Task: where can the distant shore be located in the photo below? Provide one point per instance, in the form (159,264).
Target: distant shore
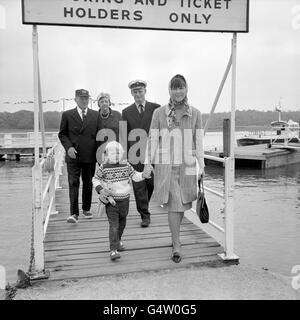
(257,120)
(249,128)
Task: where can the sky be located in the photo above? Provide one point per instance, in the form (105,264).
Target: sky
(102,59)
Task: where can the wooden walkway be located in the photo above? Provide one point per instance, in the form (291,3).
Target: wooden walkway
(81,250)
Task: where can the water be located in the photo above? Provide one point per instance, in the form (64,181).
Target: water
(267,215)
(267,219)
(15,216)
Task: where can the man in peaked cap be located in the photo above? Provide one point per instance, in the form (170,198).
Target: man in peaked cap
(139,116)
(77,133)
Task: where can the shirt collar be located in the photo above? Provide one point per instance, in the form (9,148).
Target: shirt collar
(80,111)
(143,104)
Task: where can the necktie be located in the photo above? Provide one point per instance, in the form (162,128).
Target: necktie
(83,115)
(141,109)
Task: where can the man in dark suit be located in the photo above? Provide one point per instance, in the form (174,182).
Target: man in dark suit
(139,116)
(78,131)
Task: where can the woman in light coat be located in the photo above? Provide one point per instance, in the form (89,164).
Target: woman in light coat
(175,147)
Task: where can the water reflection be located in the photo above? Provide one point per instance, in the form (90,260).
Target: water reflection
(267,214)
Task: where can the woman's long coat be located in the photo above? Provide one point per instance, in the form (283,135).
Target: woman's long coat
(188,143)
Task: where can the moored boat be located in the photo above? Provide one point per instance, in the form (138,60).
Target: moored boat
(280,132)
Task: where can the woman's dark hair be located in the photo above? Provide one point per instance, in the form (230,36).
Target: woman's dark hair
(178,81)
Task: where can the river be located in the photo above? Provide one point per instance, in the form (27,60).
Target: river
(267,214)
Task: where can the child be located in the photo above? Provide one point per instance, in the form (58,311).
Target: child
(116,174)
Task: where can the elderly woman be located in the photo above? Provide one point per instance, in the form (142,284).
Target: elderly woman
(175,146)
(110,118)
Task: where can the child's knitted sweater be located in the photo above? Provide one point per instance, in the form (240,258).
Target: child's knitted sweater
(118,177)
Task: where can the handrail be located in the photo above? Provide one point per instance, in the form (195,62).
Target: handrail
(222,234)
(44,200)
(52,163)
(214,158)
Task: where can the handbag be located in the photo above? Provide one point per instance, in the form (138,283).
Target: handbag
(201,207)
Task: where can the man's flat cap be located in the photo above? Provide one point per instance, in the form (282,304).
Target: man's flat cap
(81,93)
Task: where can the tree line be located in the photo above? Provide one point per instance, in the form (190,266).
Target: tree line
(24,120)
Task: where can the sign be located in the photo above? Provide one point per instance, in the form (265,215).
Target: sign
(183,15)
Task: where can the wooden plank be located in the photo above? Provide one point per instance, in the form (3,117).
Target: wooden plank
(135,256)
(130,255)
(130,245)
(123,263)
(101,226)
(78,246)
(96,235)
(128,231)
(115,270)
(141,252)
(127,236)
(56,221)
(58,245)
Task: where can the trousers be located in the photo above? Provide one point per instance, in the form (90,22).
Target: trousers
(117,215)
(86,171)
(143,191)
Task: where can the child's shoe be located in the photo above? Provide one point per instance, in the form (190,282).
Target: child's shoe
(114,254)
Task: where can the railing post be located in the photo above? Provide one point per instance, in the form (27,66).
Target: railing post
(229,212)
(59,154)
(37,268)
(226,137)
(230,166)
(38,234)
(52,189)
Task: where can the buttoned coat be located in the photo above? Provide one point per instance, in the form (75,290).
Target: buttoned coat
(137,121)
(81,135)
(189,142)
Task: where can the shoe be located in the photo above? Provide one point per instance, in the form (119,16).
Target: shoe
(73,219)
(145,223)
(121,246)
(114,254)
(176,257)
(87,214)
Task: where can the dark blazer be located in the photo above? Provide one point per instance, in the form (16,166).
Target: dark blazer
(81,135)
(136,121)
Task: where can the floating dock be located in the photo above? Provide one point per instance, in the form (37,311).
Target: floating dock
(261,156)
(15,145)
(81,250)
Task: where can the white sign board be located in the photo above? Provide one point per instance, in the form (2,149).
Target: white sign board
(184,15)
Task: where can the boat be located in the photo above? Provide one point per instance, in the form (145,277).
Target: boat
(281,132)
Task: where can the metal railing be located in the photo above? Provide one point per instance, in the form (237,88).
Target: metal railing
(48,169)
(288,134)
(224,234)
